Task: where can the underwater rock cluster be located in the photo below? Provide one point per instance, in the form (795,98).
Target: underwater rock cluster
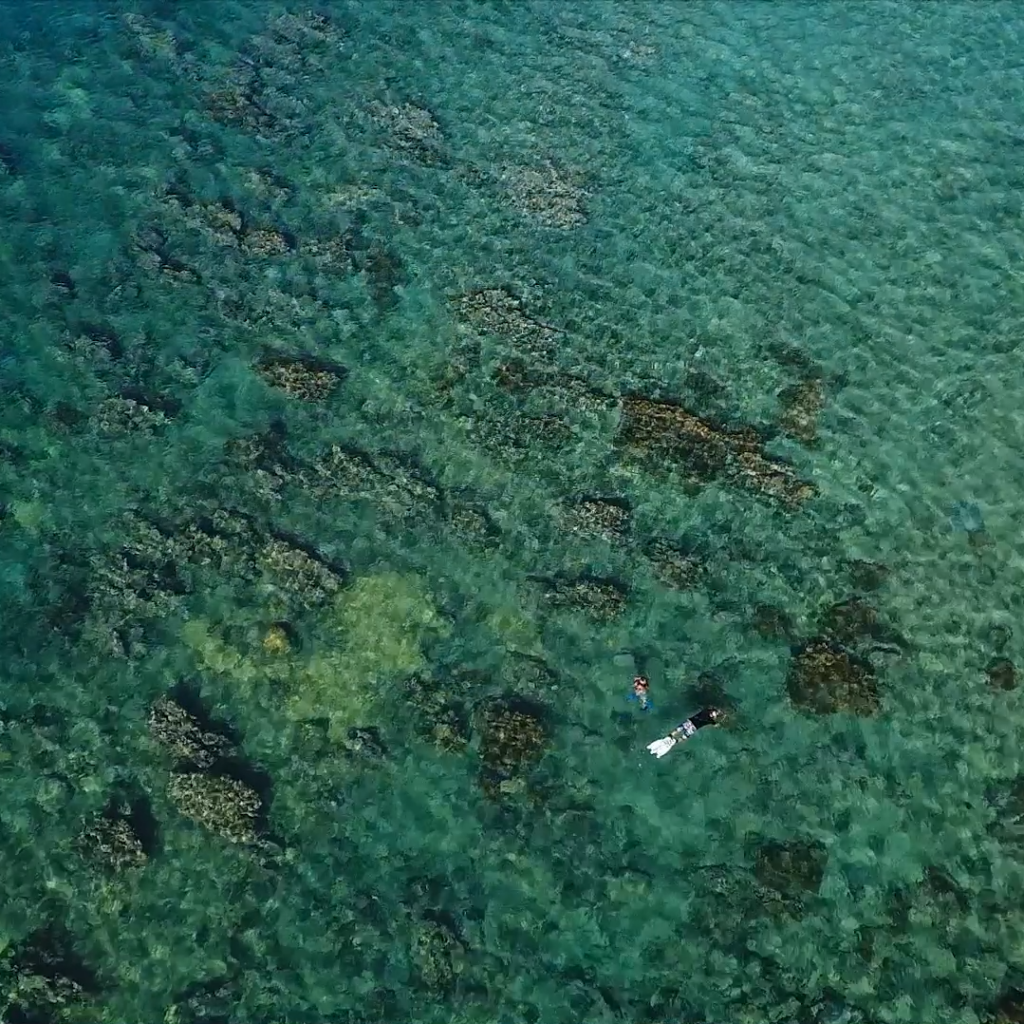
(499,312)
(600,597)
(664,433)
(793,868)
(675,565)
(113,842)
(1002,674)
(223,805)
(832,672)
(302,377)
(42,979)
(551,195)
(513,738)
(441,713)
(607,518)
(825,677)
(204,785)
(182,736)
(410,128)
(802,405)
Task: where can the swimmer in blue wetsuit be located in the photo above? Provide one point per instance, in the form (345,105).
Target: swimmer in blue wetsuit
(642,693)
(683,731)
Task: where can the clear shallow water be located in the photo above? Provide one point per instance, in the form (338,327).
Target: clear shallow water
(384,388)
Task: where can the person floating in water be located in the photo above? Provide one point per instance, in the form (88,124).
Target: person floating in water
(683,731)
(642,693)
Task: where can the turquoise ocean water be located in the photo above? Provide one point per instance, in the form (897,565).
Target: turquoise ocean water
(385,384)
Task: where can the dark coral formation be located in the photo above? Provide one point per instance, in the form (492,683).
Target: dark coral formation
(1008,1008)
(98,344)
(383,269)
(664,433)
(224,223)
(866,575)
(210,1001)
(113,841)
(513,738)
(185,737)
(1008,803)
(801,407)
(436,951)
(43,979)
(242,103)
(528,674)
(941,887)
(257,95)
(207,784)
(120,414)
(825,678)
(855,623)
(772,623)
(394,482)
(793,869)
(137,582)
(302,377)
(411,129)
(999,635)
(162,559)
(551,195)
(365,743)
(471,521)
(1002,674)
(498,312)
(279,639)
(295,570)
(675,565)
(557,388)
(598,596)
(607,518)
(441,715)
(516,437)
(224,805)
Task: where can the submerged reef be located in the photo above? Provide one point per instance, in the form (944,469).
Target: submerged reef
(600,597)
(665,434)
(305,378)
(832,671)
(824,677)
(42,978)
(551,195)
(368,425)
(593,517)
(676,565)
(802,405)
(224,805)
(1002,674)
(184,737)
(115,839)
(513,738)
(208,781)
(793,868)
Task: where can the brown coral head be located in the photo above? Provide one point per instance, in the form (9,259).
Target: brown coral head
(825,678)
(514,736)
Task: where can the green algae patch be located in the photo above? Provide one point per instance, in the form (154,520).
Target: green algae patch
(372,635)
(379,627)
(514,630)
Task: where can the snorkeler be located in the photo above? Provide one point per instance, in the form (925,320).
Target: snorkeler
(683,731)
(641,693)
